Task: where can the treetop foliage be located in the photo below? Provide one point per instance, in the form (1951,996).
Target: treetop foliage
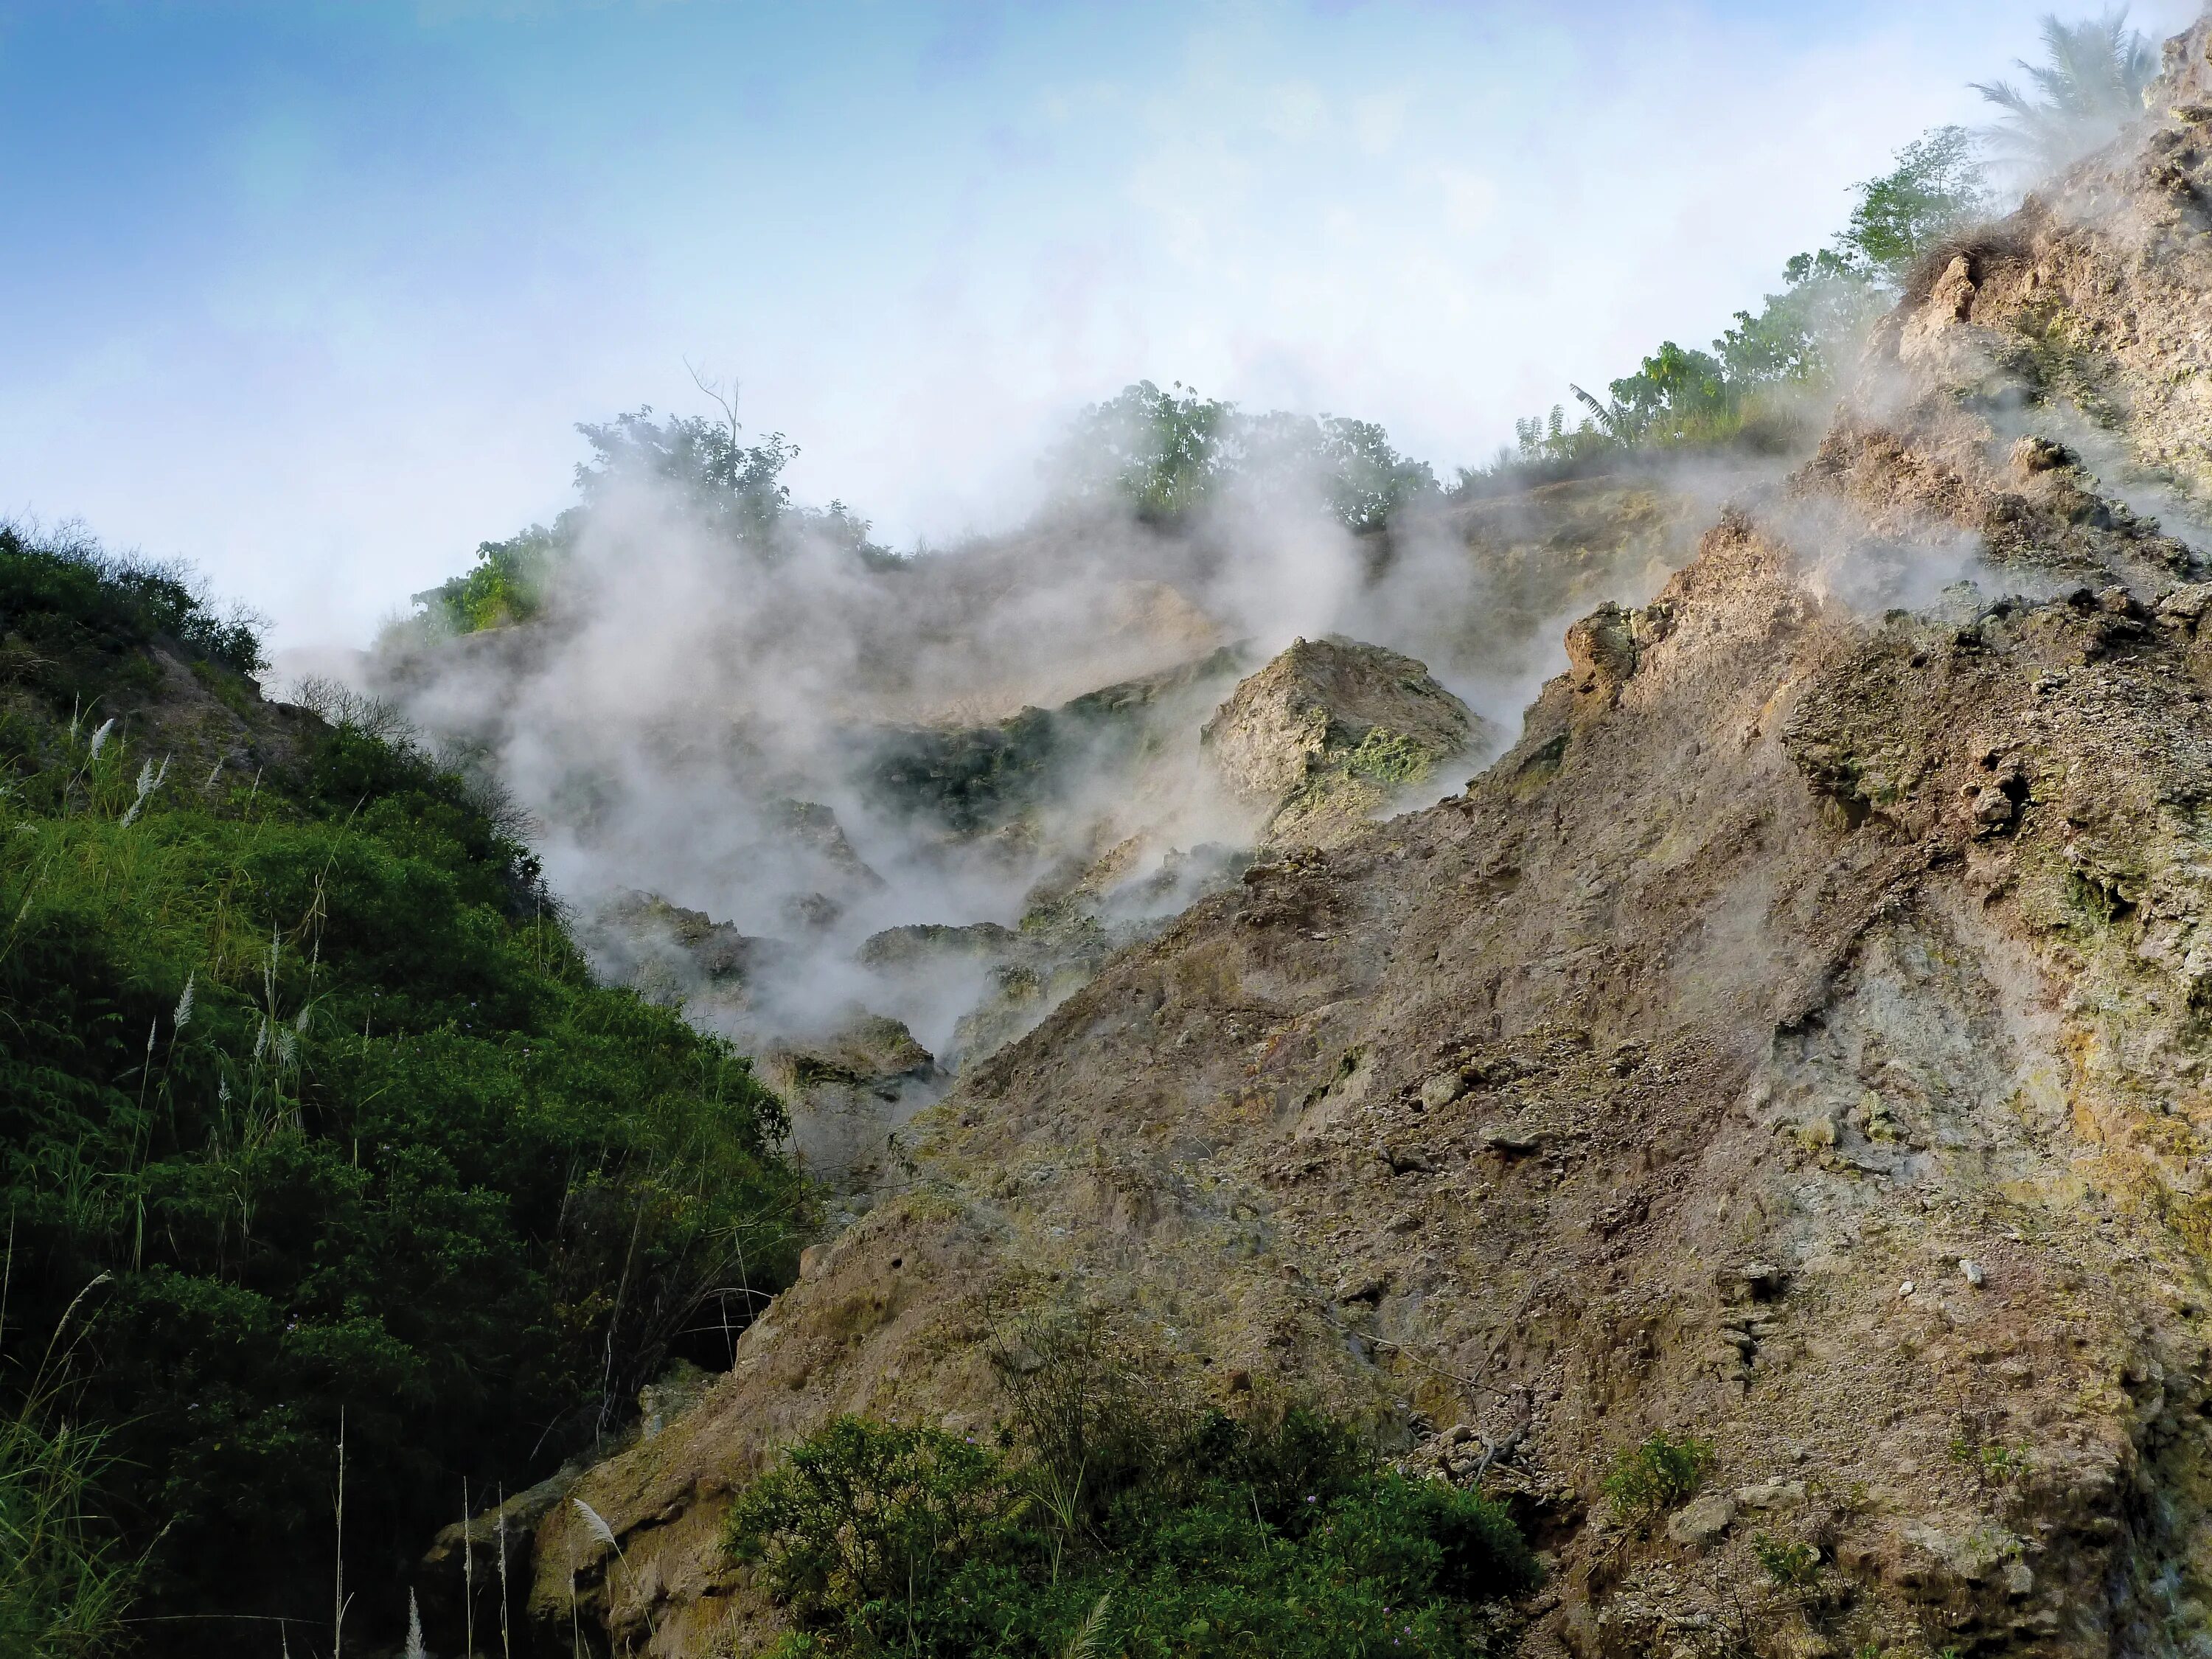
(1937,186)
(1168,455)
(1795,343)
(2095,78)
(733,490)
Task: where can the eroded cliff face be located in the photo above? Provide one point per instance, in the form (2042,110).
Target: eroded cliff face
(1798,1039)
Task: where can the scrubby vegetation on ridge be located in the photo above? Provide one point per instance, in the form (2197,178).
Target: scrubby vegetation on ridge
(1756,385)
(304,1078)
(1164,456)
(1764,375)
(730,488)
(1116,1513)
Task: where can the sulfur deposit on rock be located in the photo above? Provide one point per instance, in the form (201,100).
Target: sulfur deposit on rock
(1324,738)
(1841,921)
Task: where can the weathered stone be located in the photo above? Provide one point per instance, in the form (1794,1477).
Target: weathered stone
(1329,734)
(1441,1090)
(1602,650)
(1362,1287)
(1699,1524)
(1515,1139)
(1777,1493)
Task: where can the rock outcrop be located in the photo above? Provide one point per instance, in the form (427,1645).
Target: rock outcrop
(1330,734)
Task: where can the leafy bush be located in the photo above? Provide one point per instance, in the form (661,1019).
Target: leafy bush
(733,490)
(1166,455)
(864,1519)
(1115,1508)
(74,618)
(1650,1479)
(1794,1566)
(308,1066)
(508,584)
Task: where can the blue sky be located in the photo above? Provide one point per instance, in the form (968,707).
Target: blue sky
(311,293)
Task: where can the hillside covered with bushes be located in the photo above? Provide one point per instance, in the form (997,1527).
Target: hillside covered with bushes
(315,1133)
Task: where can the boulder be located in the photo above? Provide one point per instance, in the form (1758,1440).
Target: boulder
(1699,1524)
(1331,733)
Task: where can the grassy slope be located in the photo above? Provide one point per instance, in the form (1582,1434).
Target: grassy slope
(398,1157)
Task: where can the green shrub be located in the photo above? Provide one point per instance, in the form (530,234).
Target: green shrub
(1790,1566)
(1119,1519)
(1650,1479)
(863,1520)
(74,618)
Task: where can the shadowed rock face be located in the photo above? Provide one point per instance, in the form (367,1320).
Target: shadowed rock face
(1797,1040)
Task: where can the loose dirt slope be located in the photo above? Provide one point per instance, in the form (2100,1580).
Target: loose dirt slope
(1799,1039)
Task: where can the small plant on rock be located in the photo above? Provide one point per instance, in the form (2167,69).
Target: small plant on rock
(1792,1566)
(1649,1479)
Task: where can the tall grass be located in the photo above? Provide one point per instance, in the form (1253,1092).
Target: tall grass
(66,1586)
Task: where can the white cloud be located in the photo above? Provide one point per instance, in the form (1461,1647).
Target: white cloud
(1470,199)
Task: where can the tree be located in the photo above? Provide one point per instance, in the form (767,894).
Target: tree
(2097,74)
(1161,452)
(1936,186)
(1165,455)
(738,487)
(1795,336)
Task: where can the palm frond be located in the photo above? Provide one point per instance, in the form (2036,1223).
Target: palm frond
(2094,80)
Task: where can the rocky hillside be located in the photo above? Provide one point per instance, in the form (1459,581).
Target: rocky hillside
(1797,1042)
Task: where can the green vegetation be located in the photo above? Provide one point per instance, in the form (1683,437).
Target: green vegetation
(64,1585)
(507,584)
(734,490)
(1936,187)
(1750,388)
(2096,77)
(1113,1515)
(303,1073)
(73,619)
(1791,1565)
(1996,1462)
(1167,454)
(1649,1479)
